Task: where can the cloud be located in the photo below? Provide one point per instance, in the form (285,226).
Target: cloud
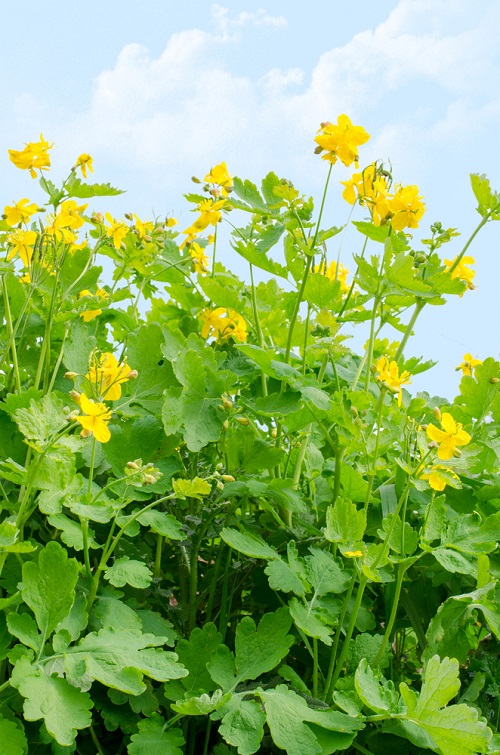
(225,23)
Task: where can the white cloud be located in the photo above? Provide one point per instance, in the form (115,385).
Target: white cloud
(225,22)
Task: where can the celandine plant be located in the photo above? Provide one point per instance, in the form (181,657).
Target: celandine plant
(223,531)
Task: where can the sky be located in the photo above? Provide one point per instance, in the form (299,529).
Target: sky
(160,91)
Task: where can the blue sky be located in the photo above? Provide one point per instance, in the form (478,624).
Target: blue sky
(159,91)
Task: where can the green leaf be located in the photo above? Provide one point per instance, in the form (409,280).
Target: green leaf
(76,188)
(78,346)
(49,586)
(63,708)
(126,571)
(260,649)
(457,729)
(345,524)
(311,620)
(320,291)
(487,199)
(454,562)
(248,543)
(118,658)
(469,535)
(477,393)
(71,531)
(282,577)
(137,439)
(242,725)
(248,192)
(324,573)
(43,419)
(373,232)
(12,738)
(22,626)
(195,653)
(287,714)
(196,488)
(374,690)
(162,523)
(154,739)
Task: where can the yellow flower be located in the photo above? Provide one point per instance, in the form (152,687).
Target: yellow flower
(35,155)
(84,162)
(462,271)
(89,314)
(223,324)
(388,373)
(449,437)
(69,215)
(468,364)
(219,176)
(406,207)
(20,212)
(199,258)
(142,227)
(334,272)
(439,477)
(105,375)
(117,230)
(212,320)
(353,554)
(22,243)
(340,141)
(95,420)
(370,188)
(170,222)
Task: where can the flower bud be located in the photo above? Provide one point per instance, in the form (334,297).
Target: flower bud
(195,180)
(494,380)
(225,424)
(129,216)
(228,478)
(133,465)
(220,485)
(243,421)
(423,427)
(437,413)
(149,479)
(457,453)
(433,444)
(132,375)
(227,403)
(75,396)
(274,433)
(70,375)
(221,407)
(73,415)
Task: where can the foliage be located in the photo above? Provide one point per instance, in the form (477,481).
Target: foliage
(222,530)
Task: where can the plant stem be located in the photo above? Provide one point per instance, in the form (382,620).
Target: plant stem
(392,617)
(260,335)
(315,667)
(10,332)
(333,656)
(419,305)
(350,629)
(159,550)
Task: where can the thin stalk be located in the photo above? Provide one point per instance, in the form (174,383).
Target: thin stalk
(58,362)
(339,453)
(333,655)
(392,617)
(349,293)
(95,740)
(471,238)
(223,617)
(371,343)
(159,550)
(419,305)
(260,335)
(215,252)
(10,332)
(350,629)
(372,473)
(315,668)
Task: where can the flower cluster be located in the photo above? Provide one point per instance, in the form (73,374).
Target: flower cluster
(334,272)
(35,156)
(340,141)
(388,374)
(403,207)
(223,324)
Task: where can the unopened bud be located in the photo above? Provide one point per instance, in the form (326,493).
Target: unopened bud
(274,433)
(147,238)
(132,465)
(70,375)
(437,413)
(75,396)
(132,375)
(149,479)
(225,424)
(195,180)
(423,427)
(73,415)
(97,217)
(215,193)
(494,380)
(129,216)
(227,403)
(228,478)
(354,411)
(457,453)
(243,420)
(220,485)
(318,150)
(221,407)
(433,444)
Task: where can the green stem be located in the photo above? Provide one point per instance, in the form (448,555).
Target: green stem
(260,335)
(419,305)
(333,655)
(372,473)
(371,343)
(339,453)
(159,550)
(59,360)
(350,629)
(10,332)
(471,238)
(315,668)
(215,252)
(392,617)
(96,741)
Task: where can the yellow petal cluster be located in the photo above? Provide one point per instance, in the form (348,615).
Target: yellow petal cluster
(20,212)
(106,375)
(85,162)
(22,243)
(89,314)
(219,176)
(388,373)
(200,260)
(95,419)
(35,156)
(468,364)
(117,230)
(451,436)
(210,214)
(439,477)
(223,324)
(334,272)
(461,271)
(340,141)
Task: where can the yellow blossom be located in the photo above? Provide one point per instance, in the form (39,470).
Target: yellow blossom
(89,314)
(85,162)
(199,258)
(340,141)
(371,189)
(334,272)
(451,436)
(463,272)
(439,476)
(353,554)
(117,230)
(212,320)
(20,212)
(95,419)
(35,155)
(388,373)
(143,228)
(406,207)
(170,222)
(106,374)
(468,364)
(223,324)
(69,215)
(22,243)
(218,175)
